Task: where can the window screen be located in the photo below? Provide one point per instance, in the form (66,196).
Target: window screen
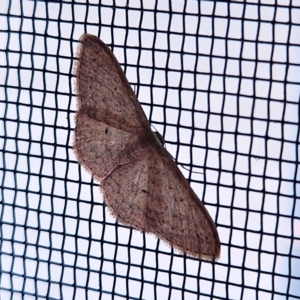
(219,81)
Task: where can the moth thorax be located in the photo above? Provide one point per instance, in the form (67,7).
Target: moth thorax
(141,148)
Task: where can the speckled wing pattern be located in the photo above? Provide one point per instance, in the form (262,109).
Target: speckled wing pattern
(139,180)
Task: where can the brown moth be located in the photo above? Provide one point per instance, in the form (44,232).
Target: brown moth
(141,184)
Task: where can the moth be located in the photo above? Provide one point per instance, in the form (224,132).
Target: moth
(140,182)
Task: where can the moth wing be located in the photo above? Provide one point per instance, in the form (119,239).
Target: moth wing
(109,115)
(156,198)
(103,90)
(99,147)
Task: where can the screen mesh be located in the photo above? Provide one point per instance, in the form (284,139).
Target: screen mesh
(219,81)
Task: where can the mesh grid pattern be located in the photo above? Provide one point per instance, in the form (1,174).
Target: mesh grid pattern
(219,81)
